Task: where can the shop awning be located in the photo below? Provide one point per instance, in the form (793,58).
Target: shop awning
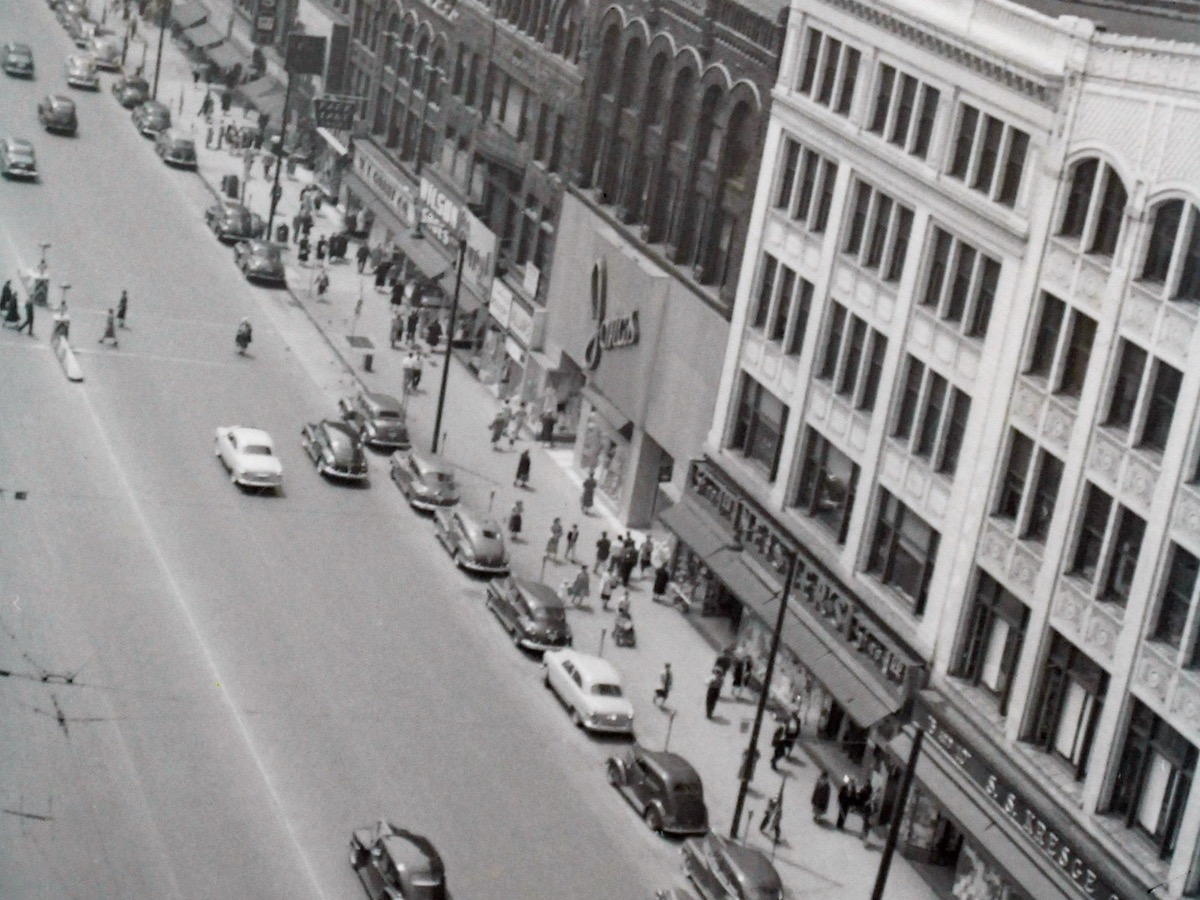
(267,96)
(989,835)
(608,410)
(187,13)
(223,56)
(203,35)
(694,528)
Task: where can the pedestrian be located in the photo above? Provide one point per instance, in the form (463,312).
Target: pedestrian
(523,463)
(626,563)
(517,423)
(580,587)
(433,337)
(623,603)
(845,799)
(778,746)
(820,796)
(122,308)
(407,368)
(663,691)
(869,809)
(772,818)
(712,693)
(8,297)
(862,803)
(28,323)
(396,332)
(302,253)
(322,281)
(226,101)
(268,161)
(397,297)
(13,314)
(556,531)
(588,496)
(322,248)
(206,106)
(362,255)
(791,732)
(739,674)
(608,584)
(662,578)
(572,540)
(547,420)
(515,517)
(499,423)
(418,368)
(724,660)
(646,556)
(381,273)
(110,329)
(603,547)
(414,319)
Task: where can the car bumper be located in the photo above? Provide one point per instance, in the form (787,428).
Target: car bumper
(23,174)
(431,504)
(151,131)
(268,277)
(181,162)
(592,723)
(61,127)
(387,443)
(483,568)
(87,84)
(344,474)
(252,480)
(18,73)
(541,645)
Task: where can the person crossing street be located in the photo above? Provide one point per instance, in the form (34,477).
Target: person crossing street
(122,308)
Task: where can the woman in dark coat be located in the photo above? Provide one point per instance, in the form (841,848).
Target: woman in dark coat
(514,521)
(662,578)
(522,477)
(588,497)
(820,796)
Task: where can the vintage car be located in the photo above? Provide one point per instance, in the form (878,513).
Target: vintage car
(664,789)
(590,688)
(392,862)
(475,543)
(151,118)
(260,261)
(176,149)
(131,90)
(335,449)
(81,72)
(378,418)
(231,222)
(106,51)
(17,60)
(723,869)
(530,612)
(248,454)
(426,482)
(17,159)
(57,114)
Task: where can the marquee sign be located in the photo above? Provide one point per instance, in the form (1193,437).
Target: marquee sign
(610,334)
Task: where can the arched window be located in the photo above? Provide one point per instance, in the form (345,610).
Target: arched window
(405,59)
(566,34)
(1172,258)
(1095,207)
(419,61)
(437,74)
(391,37)
(631,71)
(541,22)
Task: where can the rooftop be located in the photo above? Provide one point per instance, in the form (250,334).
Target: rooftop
(1168,20)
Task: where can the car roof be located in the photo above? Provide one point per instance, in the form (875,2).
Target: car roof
(538,594)
(338,429)
(154,106)
(60,100)
(16,143)
(430,464)
(14,47)
(414,851)
(248,435)
(382,401)
(592,667)
(757,868)
(673,768)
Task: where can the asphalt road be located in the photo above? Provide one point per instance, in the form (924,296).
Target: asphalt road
(202,691)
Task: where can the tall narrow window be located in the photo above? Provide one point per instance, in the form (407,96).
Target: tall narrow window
(1127,544)
(1160,406)
(1045,492)
(1178,589)
(990,645)
(1126,385)
(1092,526)
(1070,697)
(827,484)
(904,551)
(1012,486)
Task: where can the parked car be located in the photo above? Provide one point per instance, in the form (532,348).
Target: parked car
(664,789)
(426,482)
(18,60)
(530,612)
(335,449)
(260,261)
(151,118)
(248,454)
(176,149)
(721,869)
(131,90)
(17,159)
(378,418)
(82,30)
(81,72)
(57,114)
(230,222)
(392,862)
(475,543)
(106,51)
(590,689)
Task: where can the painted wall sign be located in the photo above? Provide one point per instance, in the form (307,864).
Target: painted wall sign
(610,334)
(444,219)
(388,186)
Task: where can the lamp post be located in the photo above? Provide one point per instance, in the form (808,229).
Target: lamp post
(893,835)
(751,757)
(275,189)
(458,273)
(162,30)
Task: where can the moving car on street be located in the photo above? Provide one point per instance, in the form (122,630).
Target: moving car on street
(230,222)
(379,419)
(248,454)
(475,543)
(530,612)
(131,90)
(590,688)
(17,60)
(721,869)
(335,449)
(176,149)
(81,72)
(151,118)
(663,788)
(393,862)
(426,482)
(57,114)
(106,51)
(17,159)
(260,261)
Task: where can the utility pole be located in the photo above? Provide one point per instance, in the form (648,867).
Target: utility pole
(162,31)
(441,404)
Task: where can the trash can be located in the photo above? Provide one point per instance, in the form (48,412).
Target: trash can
(368,362)
(229,186)
(281,233)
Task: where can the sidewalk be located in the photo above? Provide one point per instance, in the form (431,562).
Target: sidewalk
(814,859)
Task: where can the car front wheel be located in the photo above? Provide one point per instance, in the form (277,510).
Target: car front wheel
(614,774)
(652,819)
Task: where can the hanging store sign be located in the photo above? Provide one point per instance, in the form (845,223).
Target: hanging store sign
(375,172)
(610,334)
(446,221)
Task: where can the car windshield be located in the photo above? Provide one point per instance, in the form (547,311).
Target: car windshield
(257,450)
(607,690)
(490,533)
(388,414)
(550,615)
(269,253)
(442,479)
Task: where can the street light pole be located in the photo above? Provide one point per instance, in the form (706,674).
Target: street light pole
(275,189)
(751,757)
(162,30)
(441,404)
(893,835)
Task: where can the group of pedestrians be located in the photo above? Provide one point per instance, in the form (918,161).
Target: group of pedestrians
(10,310)
(10,315)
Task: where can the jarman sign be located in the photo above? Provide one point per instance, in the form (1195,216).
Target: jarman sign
(610,334)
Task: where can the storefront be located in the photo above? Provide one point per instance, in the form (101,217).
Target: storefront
(514,329)
(641,353)
(990,828)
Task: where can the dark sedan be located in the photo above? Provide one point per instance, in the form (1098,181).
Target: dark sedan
(260,261)
(131,90)
(723,869)
(18,60)
(335,449)
(663,788)
(530,612)
(176,149)
(475,543)
(378,418)
(395,862)
(57,114)
(426,482)
(231,222)
(81,72)
(17,159)
(152,118)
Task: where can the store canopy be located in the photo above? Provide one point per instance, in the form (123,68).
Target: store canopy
(267,96)
(224,57)
(203,35)
(187,13)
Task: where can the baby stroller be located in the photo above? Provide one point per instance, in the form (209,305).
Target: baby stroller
(623,633)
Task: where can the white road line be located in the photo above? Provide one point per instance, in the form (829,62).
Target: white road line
(178,360)
(194,627)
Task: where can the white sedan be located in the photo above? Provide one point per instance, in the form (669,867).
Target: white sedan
(590,688)
(249,456)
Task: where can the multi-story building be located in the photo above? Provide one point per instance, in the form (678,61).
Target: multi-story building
(957,394)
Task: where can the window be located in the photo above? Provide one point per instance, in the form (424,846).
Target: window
(1160,383)
(1127,544)
(991,640)
(1179,587)
(1173,253)
(828,71)
(556,145)
(939,413)
(1045,492)
(806,186)
(904,112)
(1062,347)
(1012,485)
(783,305)
(989,156)
(759,425)
(827,484)
(1069,700)
(1095,207)
(1160,406)
(878,232)
(1153,779)
(904,551)
(1101,518)
(1028,466)
(853,358)
(1092,526)
(961,283)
